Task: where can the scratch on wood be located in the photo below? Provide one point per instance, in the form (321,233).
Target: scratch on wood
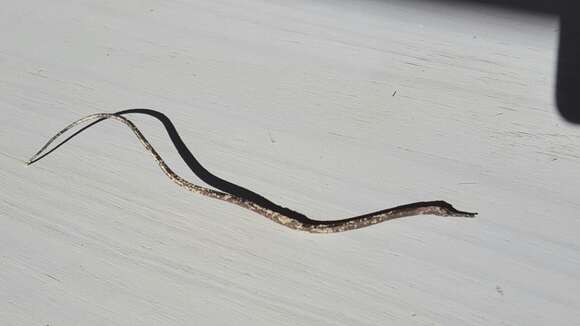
(52,277)
(272,140)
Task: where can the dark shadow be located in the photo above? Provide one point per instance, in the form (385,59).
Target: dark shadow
(204,174)
(193,165)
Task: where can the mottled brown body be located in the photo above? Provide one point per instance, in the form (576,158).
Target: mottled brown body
(439,208)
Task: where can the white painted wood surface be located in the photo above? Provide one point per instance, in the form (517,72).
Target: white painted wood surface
(292,99)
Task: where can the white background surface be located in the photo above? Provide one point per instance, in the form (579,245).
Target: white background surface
(292,99)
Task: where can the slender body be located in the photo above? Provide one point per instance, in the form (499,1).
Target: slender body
(245,198)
